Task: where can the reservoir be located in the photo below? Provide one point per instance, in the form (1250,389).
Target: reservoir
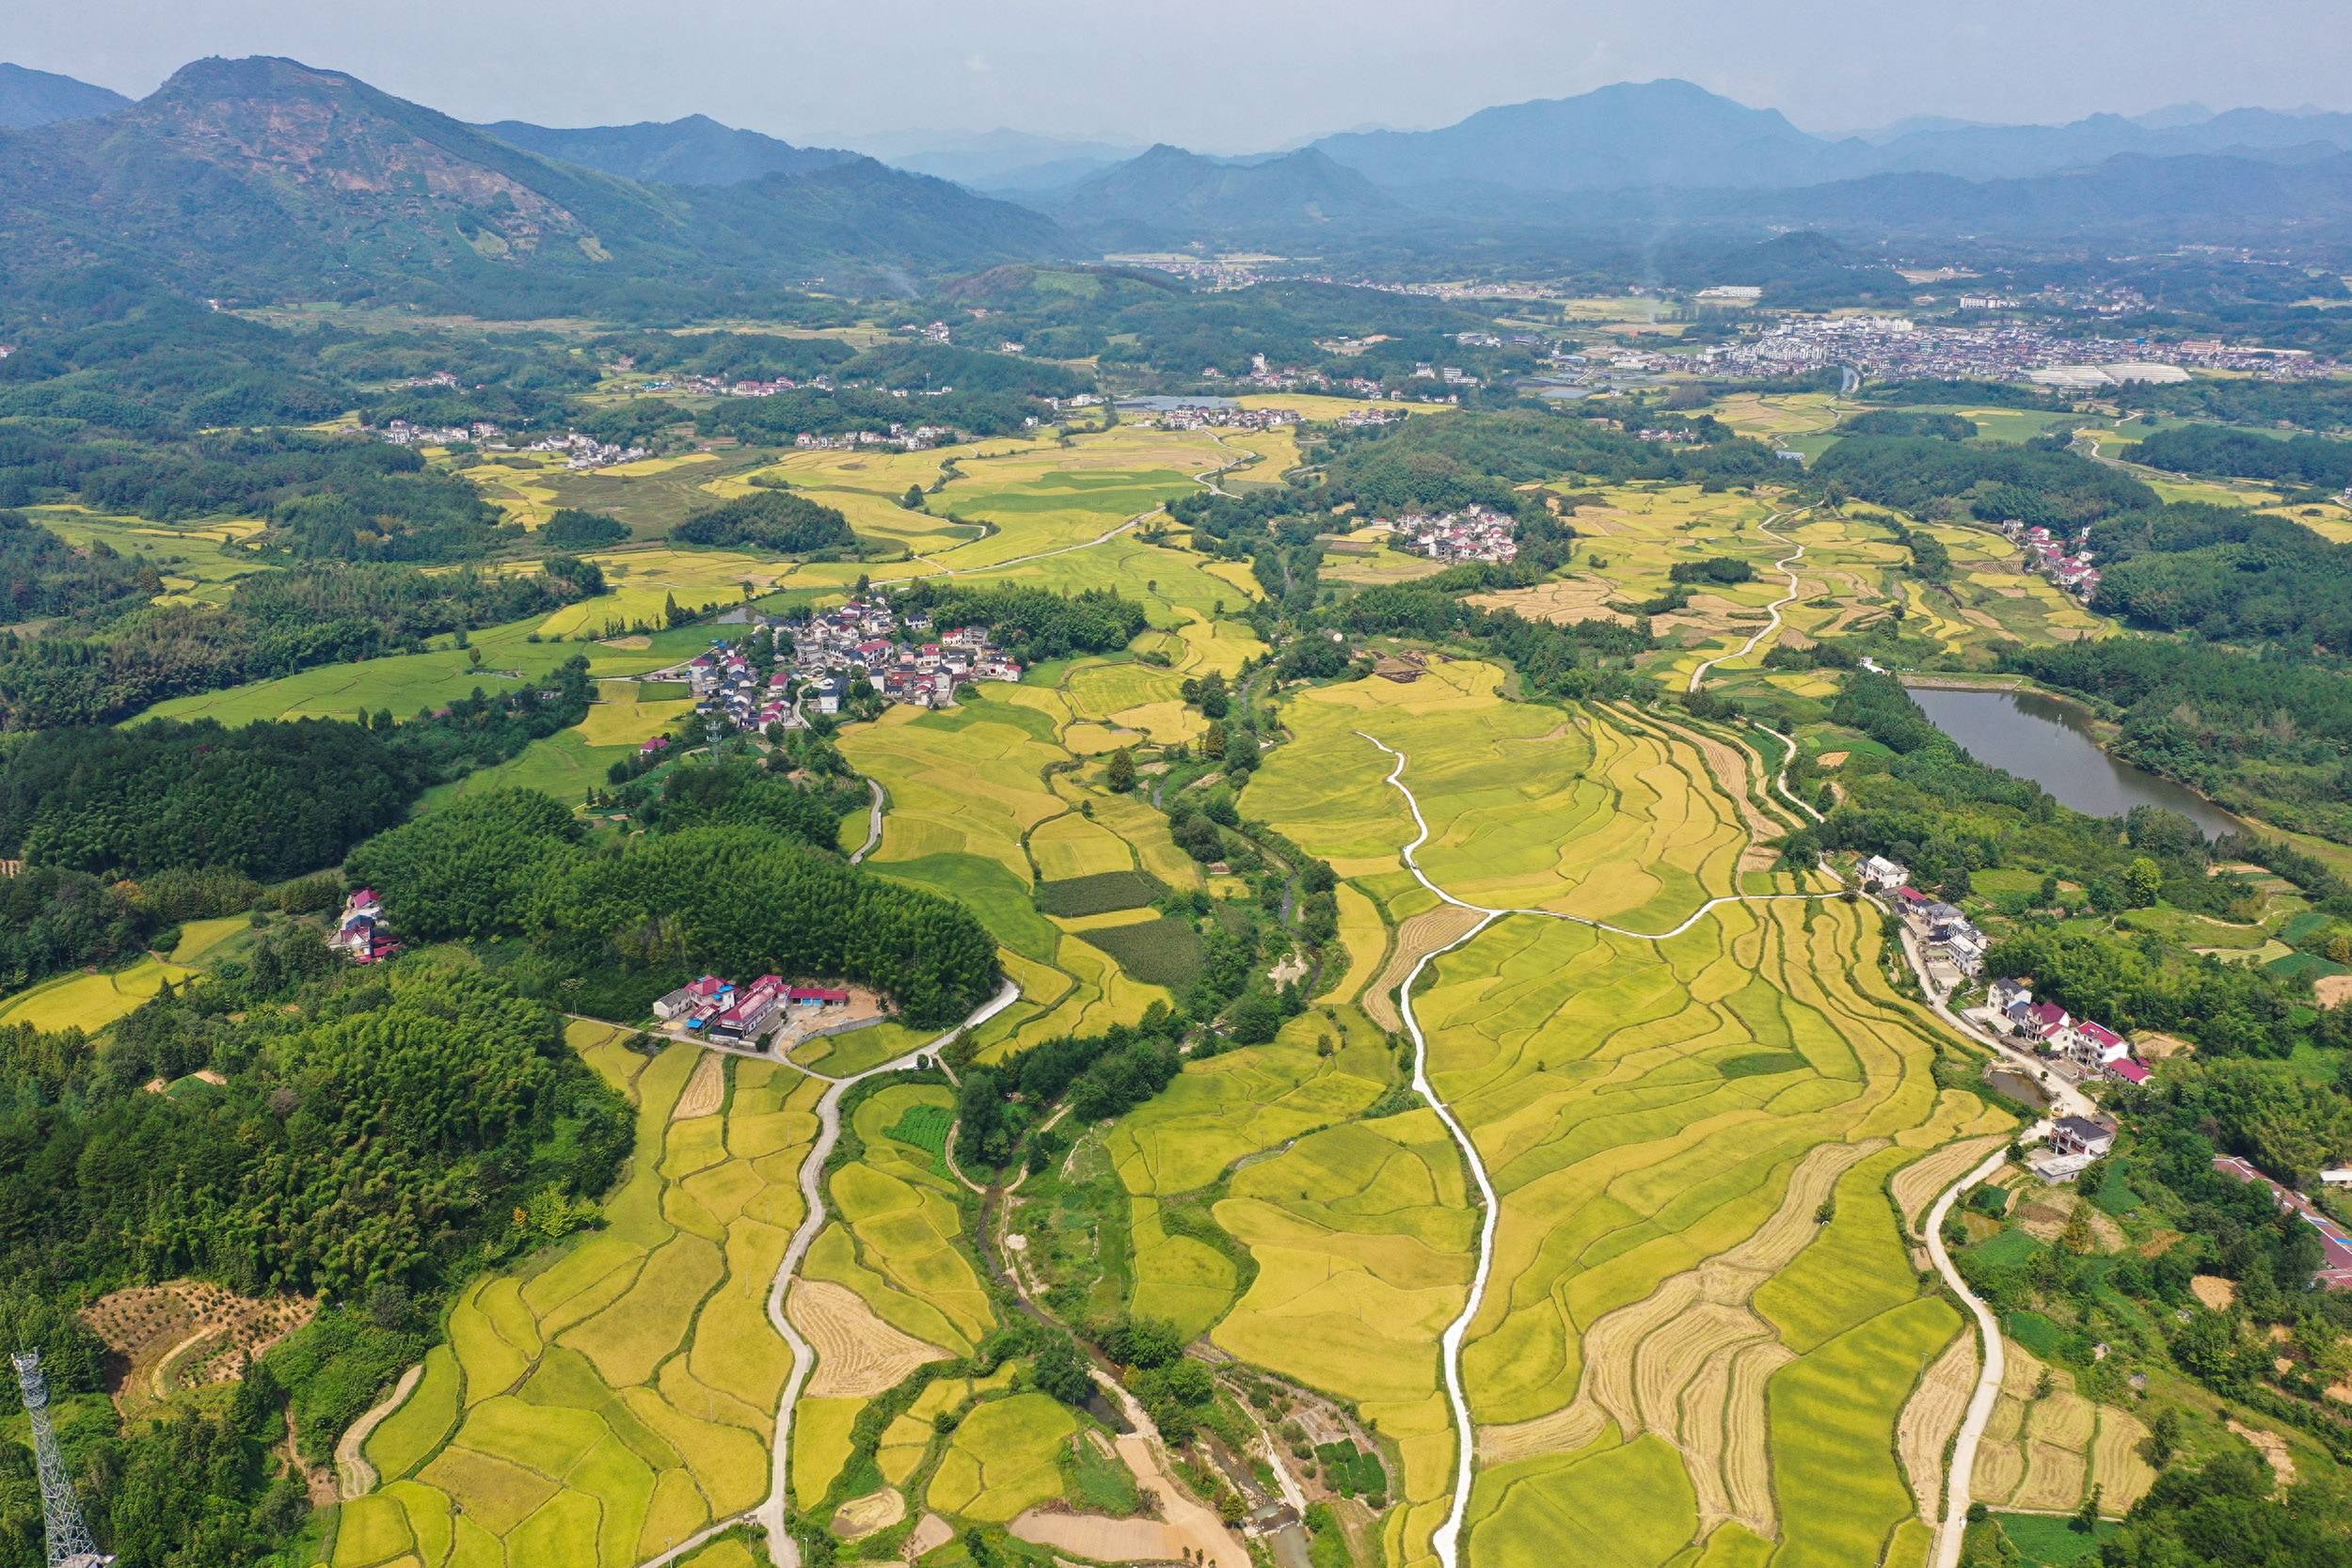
(2036,737)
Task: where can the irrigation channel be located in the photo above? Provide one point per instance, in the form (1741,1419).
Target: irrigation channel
(1446,1540)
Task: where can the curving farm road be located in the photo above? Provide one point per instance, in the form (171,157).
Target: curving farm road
(1786,564)
(1954,1529)
(769,1514)
(1446,1541)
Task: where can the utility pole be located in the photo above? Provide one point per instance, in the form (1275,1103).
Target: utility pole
(69,1540)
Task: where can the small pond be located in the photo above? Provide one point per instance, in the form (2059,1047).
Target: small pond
(2050,742)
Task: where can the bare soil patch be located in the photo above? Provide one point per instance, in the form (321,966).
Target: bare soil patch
(2273,1448)
(2332,989)
(930,1533)
(2215,1293)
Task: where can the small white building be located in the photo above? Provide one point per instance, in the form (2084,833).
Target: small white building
(1879,872)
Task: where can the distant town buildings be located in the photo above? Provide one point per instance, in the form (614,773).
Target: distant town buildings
(1895,346)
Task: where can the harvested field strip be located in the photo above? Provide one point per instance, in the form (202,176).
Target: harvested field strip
(1932,1420)
(2040,1454)
(1689,1363)
(859,1355)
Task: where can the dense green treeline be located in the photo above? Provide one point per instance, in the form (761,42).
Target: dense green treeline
(266,800)
(2204,448)
(2226,573)
(337,497)
(40,575)
(774,521)
(274,623)
(611,928)
(376,1138)
(1931,477)
(1031,624)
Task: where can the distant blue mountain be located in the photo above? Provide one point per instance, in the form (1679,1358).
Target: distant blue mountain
(31,98)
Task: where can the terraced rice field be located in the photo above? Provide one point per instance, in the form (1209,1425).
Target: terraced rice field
(2042,1455)
(1598,814)
(606,1402)
(1701,1293)
(200,562)
(983,808)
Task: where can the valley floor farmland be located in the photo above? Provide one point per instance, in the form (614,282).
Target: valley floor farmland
(1700,1297)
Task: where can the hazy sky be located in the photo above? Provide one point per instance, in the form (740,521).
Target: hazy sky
(1224,75)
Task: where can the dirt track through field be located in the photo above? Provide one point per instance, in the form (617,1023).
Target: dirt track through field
(353,1476)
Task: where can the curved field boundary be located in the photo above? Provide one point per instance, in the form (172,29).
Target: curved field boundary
(1446,1541)
(769,1514)
(1786,564)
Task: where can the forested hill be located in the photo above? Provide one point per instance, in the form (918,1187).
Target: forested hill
(268,179)
(696,151)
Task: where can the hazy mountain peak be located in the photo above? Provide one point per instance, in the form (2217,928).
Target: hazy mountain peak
(694,150)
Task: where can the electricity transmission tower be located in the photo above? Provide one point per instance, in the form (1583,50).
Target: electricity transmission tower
(70,1545)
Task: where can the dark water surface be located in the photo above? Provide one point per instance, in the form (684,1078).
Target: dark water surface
(2035,737)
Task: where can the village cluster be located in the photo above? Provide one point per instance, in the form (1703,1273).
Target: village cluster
(717,1009)
(2068,565)
(830,652)
(1474,534)
(579,452)
(1194,416)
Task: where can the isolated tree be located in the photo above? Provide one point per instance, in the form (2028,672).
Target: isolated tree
(1119,776)
(2144,880)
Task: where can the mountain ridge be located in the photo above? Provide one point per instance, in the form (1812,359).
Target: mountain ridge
(267,178)
(31,98)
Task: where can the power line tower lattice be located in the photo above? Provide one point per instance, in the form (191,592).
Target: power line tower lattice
(69,1540)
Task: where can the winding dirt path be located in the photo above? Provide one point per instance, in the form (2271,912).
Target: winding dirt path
(353,1476)
(1786,564)
(873,822)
